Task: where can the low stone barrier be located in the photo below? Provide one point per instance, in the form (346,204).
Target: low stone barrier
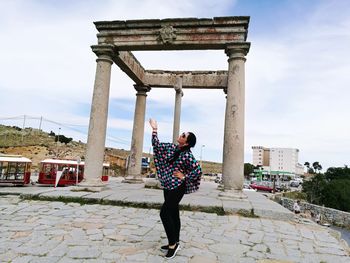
(336,217)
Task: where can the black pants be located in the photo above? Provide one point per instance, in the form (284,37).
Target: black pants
(170,214)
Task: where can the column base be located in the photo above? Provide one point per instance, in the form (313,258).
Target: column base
(89,185)
(133,179)
(233,194)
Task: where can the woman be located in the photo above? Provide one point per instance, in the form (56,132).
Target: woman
(179,173)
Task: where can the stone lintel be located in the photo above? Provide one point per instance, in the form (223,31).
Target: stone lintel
(173,34)
(128,63)
(190,79)
(161,78)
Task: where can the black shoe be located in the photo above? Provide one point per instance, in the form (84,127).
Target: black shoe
(172,251)
(166,247)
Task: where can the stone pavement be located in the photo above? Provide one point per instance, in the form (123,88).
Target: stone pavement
(117,193)
(52,231)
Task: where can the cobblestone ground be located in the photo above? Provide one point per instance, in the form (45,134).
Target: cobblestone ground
(37,231)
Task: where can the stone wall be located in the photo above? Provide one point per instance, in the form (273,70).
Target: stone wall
(336,217)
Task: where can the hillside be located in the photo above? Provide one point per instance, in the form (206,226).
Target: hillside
(38,145)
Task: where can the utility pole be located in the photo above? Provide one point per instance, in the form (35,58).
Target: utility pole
(24,123)
(58,139)
(201,153)
(41,120)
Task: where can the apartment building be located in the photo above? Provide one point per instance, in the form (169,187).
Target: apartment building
(278,159)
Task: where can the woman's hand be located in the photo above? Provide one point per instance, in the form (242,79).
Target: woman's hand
(153,124)
(179,175)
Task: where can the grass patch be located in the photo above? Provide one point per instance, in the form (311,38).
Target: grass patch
(246,213)
(153,187)
(88,201)
(295,195)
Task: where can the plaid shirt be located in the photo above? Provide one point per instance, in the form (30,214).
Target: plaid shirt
(186,163)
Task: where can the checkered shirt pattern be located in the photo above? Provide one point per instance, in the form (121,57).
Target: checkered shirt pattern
(186,163)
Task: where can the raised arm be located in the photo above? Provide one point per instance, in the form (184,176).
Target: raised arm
(154,124)
(155,141)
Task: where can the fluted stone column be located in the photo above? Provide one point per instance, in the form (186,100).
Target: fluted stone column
(134,163)
(177,109)
(98,117)
(233,150)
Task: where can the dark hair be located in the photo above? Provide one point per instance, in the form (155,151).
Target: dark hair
(191,141)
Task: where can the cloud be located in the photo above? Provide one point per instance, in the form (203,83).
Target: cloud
(297,87)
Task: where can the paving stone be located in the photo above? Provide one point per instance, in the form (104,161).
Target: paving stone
(83,252)
(46,259)
(58,251)
(260,248)
(256,237)
(246,260)
(201,259)
(306,247)
(99,233)
(293,252)
(307,233)
(255,254)
(71,260)
(330,250)
(8,256)
(22,259)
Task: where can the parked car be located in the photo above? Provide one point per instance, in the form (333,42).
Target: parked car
(247,187)
(262,186)
(294,183)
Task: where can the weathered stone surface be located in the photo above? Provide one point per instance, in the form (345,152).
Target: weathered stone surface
(173,34)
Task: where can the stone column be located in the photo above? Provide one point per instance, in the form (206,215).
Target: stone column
(98,117)
(134,163)
(233,150)
(177,109)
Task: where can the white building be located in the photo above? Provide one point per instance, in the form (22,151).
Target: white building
(278,159)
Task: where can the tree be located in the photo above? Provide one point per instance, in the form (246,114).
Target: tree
(314,189)
(317,167)
(337,194)
(331,189)
(248,169)
(63,139)
(310,170)
(334,173)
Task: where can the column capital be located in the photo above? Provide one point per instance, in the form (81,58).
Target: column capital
(237,50)
(178,90)
(142,89)
(178,86)
(105,51)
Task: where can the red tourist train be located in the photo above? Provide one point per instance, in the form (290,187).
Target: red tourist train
(65,172)
(14,169)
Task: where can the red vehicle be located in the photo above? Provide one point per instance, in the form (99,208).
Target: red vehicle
(65,172)
(15,169)
(262,186)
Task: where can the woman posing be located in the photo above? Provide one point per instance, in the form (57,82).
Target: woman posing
(179,173)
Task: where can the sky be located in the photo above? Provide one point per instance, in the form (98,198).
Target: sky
(297,74)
